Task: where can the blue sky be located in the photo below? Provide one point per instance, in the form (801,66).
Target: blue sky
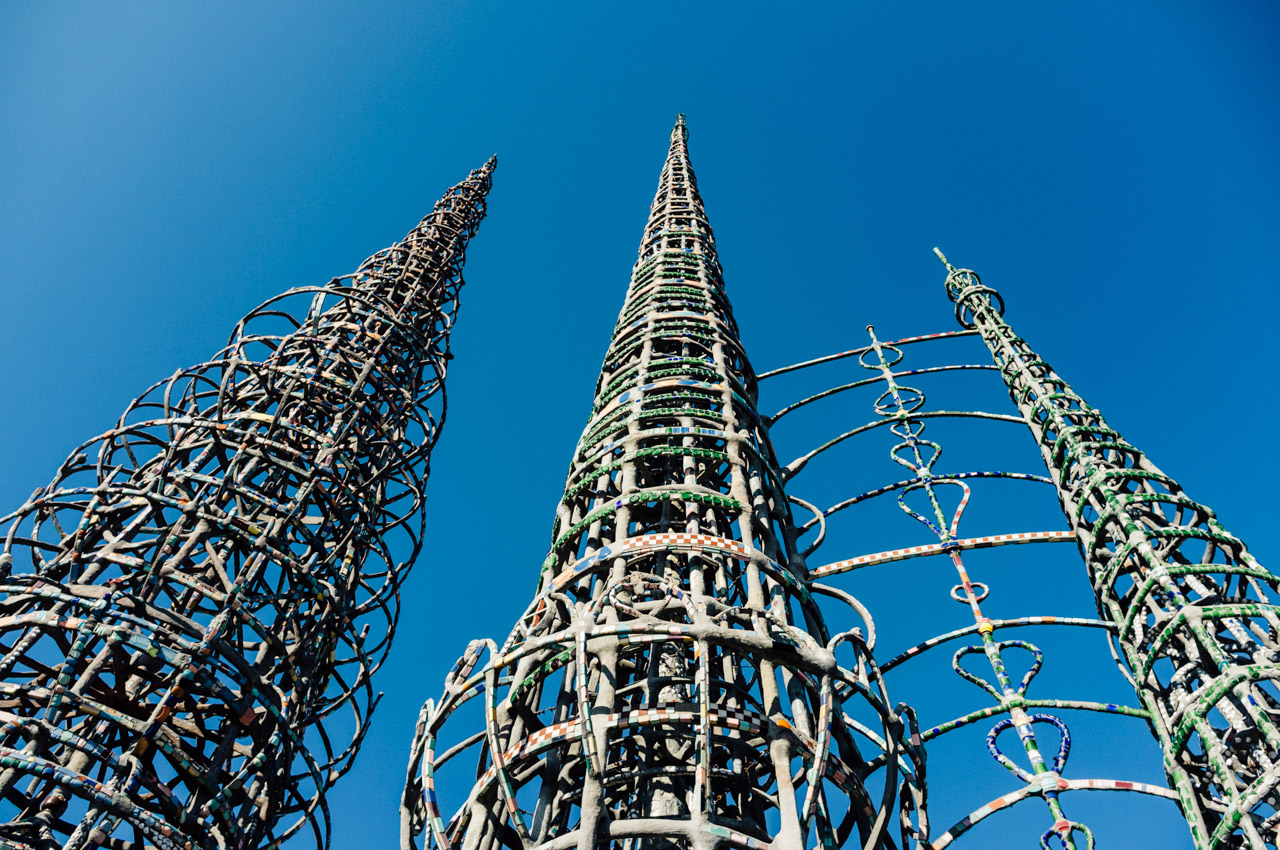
(1109,167)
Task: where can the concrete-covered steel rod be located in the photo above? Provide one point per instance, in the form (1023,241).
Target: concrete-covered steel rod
(1197,615)
(673,683)
(202,587)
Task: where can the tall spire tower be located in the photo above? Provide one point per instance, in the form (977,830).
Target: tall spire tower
(194,606)
(672,683)
(1197,616)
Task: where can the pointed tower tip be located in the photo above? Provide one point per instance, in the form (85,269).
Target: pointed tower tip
(492,163)
(679,131)
(943,257)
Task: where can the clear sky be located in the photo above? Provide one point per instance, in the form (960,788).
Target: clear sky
(1110,167)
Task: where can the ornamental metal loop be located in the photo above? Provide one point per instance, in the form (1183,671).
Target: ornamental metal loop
(964,285)
(194,606)
(1195,613)
(920,455)
(903,410)
(673,683)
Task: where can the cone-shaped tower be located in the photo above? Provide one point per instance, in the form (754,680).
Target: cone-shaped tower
(673,683)
(1198,616)
(202,587)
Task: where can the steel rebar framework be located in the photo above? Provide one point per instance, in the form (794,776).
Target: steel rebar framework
(1196,614)
(201,588)
(673,683)
(1190,615)
(937,498)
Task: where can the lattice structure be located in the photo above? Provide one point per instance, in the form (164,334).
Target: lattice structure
(202,587)
(1188,612)
(673,683)
(1196,614)
(937,498)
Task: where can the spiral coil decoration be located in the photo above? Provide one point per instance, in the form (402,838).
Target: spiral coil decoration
(201,588)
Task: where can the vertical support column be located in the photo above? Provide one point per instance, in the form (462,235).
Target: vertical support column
(195,603)
(1197,613)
